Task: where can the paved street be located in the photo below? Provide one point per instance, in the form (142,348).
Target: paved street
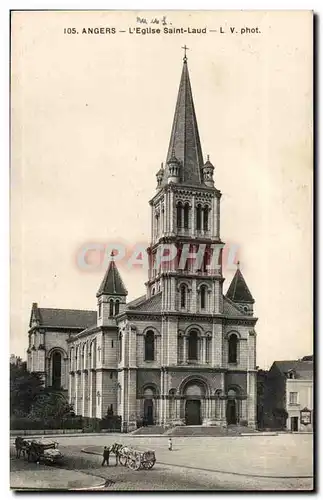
(281,462)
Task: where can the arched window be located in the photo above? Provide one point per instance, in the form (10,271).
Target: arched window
(83,357)
(120,347)
(186,215)
(206,219)
(111,307)
(157,224)
(203,292)
(116,307)
(56,370)
(198,217)
(192,345)
(179,215)
(100,309)
(183,295)
(76,357)
(233,349)
(149,346)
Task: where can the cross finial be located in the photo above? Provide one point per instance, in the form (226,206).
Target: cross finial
(238,264)
(185,49)
(112,254)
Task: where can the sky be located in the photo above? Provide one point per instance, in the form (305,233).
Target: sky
(91,120)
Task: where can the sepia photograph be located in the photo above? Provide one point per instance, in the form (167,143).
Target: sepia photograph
(161,250)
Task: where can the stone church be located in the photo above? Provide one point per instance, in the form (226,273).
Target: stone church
(182,354)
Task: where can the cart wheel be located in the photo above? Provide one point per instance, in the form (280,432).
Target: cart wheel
(149,464)
(134,464)
(123,460)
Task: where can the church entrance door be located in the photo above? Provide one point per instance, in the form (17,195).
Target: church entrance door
(149,411)
(193,412)
(231,412)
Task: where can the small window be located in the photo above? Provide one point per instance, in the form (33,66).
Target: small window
(100,310)
(203,296)
(111,307)
(111,375)
(116,307)
(293,398)
(183,295)
(112,344)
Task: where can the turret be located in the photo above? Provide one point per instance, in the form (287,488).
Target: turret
(207,172)
(111,296)
(173,169)
(160,176)
(239,293)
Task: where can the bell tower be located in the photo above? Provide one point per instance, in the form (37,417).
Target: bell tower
(185,248)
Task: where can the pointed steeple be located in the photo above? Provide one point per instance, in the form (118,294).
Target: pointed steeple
(238,290)
(112,283)
(185,141)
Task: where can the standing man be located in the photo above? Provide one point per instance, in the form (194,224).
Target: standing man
(170,444)
(106,455)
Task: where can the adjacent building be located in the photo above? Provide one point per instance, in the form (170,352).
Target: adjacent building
(288,397)
(183,353)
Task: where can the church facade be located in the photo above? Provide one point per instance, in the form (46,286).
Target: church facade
(182,354)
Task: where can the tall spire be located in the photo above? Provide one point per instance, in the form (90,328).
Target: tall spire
(185,141)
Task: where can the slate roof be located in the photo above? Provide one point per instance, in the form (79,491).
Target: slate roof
(230,309)
(185,140)
(302,369)
(150,305)
(238,290)
(67,318)
(136,302)
(112,283)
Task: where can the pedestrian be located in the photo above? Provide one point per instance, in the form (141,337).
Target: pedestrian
(106,455)
(170,444)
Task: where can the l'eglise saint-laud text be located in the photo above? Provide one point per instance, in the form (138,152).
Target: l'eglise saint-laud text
(165,30)
(134,31)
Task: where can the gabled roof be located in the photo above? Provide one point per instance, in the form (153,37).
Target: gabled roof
(301,369)
(63,318)
(185,140)
(112,283)
(238,290)
(153,304)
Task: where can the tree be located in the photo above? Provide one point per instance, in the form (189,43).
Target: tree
(51,405)
(24,389)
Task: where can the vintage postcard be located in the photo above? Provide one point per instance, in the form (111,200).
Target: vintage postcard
(161,250)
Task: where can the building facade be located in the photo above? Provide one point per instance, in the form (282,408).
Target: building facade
(183,353)
(288,398)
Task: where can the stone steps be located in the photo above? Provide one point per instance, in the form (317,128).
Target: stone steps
(150,429)
(200,431)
